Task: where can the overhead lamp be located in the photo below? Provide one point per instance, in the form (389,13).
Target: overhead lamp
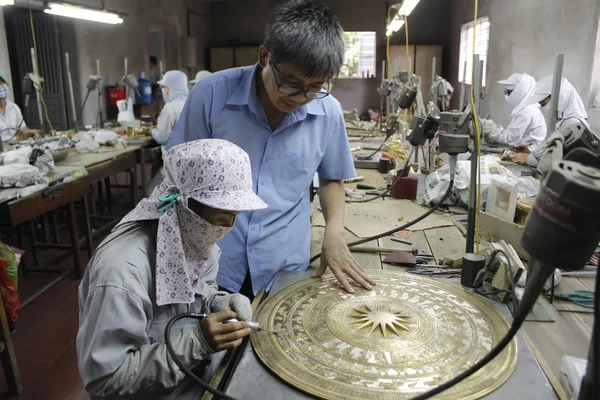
(7,2)
(79,12)
(405,9)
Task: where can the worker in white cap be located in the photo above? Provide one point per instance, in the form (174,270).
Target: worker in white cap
(199,76)
(571,110)
(174,87)
(527,128)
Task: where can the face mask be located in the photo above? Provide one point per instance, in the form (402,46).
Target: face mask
(165,93)
(506,97)
(198,235)
(4,91)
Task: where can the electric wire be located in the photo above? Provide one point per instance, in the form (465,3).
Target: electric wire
(405,226)
(37,68)
(514,328)
(18,129)
(180,364)
(477,132)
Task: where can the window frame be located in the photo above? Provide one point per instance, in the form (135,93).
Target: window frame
(374,57)
(466,48)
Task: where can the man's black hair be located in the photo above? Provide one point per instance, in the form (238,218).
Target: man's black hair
(307,34)
(153,60)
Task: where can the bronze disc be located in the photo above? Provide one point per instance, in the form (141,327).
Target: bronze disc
(406,336)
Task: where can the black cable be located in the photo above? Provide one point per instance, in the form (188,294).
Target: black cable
(406,166)
(411,223)
(513,284)
(82,107)
(17,130)
(182,367)
(514,328)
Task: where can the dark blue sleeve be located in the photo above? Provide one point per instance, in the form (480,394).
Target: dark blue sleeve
(194,121)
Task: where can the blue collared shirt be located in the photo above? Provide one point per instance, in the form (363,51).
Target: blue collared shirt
(311,139)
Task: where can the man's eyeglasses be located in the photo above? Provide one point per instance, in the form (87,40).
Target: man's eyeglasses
(294,91)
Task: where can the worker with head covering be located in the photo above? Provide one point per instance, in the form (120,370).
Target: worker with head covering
(527,127)
(199,76)
(12,123)
(161,260)
(571,110)
(174,86)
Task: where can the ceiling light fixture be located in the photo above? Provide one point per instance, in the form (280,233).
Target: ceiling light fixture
(79,12)
(7,2)
(406,7)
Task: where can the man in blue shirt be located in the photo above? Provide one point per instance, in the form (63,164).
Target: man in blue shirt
(280,112)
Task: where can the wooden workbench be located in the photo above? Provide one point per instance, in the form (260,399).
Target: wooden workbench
(569,334)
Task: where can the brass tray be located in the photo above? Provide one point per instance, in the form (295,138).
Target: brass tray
(408,335)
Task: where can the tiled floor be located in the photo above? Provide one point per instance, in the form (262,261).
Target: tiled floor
(45,342)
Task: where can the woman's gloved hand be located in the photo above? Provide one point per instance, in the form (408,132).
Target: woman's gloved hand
(235,302)
(221,335)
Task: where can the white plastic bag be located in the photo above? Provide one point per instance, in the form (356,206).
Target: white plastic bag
(87,146)
(20,175)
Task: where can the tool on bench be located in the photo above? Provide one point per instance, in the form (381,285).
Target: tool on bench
(583,298)
(427,271)
(369,187)
(395,239)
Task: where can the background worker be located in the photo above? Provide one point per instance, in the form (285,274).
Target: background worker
(174,87)
(571,110)
(527,127)
(12,123)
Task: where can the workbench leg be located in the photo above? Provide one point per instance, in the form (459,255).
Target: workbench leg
(100,197)
(55,226)
(145,181)
(88,228)
(74,240)
(46,223)
(108,195)
(33,242)
(93,203)
(21,242)
(134,186)
(8,357)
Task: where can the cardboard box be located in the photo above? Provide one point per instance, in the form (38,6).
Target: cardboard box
(498,228)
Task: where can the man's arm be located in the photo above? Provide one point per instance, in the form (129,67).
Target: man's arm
(336,166)
(335,252)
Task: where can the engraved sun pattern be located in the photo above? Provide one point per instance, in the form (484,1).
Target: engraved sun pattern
(386,319)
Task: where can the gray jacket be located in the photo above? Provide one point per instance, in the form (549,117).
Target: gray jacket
(120,344)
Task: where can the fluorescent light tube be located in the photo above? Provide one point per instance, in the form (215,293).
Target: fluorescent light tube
(83,13)
(7,2)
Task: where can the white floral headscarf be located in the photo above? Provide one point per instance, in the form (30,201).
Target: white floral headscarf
(213,172)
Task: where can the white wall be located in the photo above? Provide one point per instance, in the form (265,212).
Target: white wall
(112,43)
(527,35)
(4,59)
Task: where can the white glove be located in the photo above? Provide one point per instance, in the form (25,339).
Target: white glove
(235,302)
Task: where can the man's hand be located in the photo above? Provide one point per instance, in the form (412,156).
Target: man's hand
(520,158)
(337,256)
(223,336)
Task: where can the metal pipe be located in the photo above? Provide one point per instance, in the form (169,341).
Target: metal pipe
(70,81)
(38,90)
(472,214)
(382,102)
(557,78)
(462,88)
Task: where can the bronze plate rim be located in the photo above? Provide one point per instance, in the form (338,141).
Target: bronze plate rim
(508,366)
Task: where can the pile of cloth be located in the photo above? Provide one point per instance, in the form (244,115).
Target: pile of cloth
(92,141)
